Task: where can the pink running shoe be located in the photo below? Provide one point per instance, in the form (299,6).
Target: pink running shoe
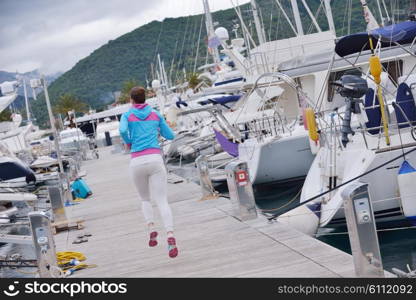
(173,250)
(153,239)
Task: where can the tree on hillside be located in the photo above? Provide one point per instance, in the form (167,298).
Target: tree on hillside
(5,115)
(68,102)
(194,82)
(125,90)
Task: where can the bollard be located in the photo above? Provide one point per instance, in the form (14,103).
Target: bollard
(208,191)
(65,183)
(108,138)
(241,190)
(57,203)
(362,230)
(40,225)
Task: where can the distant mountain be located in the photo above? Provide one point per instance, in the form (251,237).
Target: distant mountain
(11,76)
(95,78)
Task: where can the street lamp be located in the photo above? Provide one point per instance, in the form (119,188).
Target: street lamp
(39,83)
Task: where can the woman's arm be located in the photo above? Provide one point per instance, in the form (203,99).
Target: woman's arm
(165,130)
(124,129)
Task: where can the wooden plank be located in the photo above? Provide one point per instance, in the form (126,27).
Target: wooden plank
(16,239)
(212,243)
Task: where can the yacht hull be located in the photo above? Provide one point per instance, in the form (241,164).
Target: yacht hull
(277,160)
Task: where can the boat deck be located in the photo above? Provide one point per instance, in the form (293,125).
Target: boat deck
(212,243)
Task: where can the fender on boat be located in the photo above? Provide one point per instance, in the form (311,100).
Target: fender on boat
(406,181)
(311,123)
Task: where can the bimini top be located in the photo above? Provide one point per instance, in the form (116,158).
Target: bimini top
(221,100)
(401,33)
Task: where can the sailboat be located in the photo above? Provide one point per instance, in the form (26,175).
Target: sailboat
(275,144)
(370,137)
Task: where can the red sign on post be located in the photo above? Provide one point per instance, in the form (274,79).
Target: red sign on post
(242,177)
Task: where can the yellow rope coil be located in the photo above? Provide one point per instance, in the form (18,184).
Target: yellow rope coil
(64,261)
(64,258)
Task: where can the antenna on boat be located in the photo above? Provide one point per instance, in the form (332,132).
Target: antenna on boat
(259,28)
(246,33)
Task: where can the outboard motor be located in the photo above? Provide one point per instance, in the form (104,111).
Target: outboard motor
(351,87)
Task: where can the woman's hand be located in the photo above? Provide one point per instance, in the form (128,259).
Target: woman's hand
(127,147)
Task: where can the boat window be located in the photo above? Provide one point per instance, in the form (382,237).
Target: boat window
(394,68)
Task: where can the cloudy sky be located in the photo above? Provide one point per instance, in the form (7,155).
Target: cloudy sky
(52,35)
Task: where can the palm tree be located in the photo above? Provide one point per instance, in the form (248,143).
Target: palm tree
(68,102)
(5,115)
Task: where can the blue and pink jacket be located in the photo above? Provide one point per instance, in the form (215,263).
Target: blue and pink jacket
(140,127)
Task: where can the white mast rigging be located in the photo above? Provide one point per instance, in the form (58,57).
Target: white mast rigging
(210,29)
(296,14)
(259,28)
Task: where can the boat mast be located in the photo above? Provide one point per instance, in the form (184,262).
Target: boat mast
(160,72)
(210,29)
(369,18)
(329,16)
(259,28)
(26,101)
(296,14)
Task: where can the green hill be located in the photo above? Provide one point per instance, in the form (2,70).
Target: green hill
(95,78)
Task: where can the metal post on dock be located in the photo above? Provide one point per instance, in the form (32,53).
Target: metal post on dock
(57,203)
(241,190)
(208,191)
(362,230)
(65,184)
(43,241)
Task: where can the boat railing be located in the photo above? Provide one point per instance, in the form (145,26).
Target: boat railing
(267,126)
(394,126)
(257,64)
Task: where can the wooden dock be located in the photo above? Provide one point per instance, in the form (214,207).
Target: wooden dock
(211,242)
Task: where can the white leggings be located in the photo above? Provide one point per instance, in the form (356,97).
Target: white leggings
(149,176)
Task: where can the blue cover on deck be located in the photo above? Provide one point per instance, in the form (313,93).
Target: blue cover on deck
(373,114)
(181,102)
(221,100)
(406,102)
(401,33)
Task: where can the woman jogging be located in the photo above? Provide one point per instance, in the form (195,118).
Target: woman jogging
(140,128)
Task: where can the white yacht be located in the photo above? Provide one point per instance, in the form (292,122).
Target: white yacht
(365,139)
